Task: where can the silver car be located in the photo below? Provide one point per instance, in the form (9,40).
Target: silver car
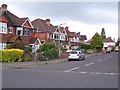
(76,55)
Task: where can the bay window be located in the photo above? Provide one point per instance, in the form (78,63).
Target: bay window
(3,27)
(2,45)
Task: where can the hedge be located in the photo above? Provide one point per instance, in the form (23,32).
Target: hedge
(11,55)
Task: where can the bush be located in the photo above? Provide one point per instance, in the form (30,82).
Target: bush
(11,55)
(49,50)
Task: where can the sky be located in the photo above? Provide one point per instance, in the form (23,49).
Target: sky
(85,17)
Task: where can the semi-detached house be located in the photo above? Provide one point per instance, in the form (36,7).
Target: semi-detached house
(14,29)
(21,30)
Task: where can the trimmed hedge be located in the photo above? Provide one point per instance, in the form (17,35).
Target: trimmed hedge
(11,55)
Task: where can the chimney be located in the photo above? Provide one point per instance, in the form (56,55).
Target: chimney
(4,7)
(78,33)
(48,22)
(66,28)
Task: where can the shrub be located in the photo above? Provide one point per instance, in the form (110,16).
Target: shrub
(11,55)
(49,50)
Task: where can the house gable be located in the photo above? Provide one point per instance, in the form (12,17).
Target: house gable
(27,23)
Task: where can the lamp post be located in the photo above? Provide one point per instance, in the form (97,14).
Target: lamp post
(59,50)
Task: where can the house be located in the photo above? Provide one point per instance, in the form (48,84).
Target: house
(108,43)
(74,39)
(13,28)
(88,42)
(42,30)
(47,32)
(83,38)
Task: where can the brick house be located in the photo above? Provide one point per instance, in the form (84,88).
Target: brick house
(74,39)
(47,32)
(83,38)
(107,43)
(14,29)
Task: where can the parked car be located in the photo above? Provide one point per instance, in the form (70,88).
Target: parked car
(68,51)
(116,49)
(108,50)
(76,55)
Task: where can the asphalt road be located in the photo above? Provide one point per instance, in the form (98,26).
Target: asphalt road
(99,71)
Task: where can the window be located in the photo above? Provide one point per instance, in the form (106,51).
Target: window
(2,45)
(26,31)
(19,31)
(3,27)
(10,29)
(52,36)
(30,32)
(56,36)
(62,37)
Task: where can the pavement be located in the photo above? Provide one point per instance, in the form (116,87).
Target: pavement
(34,63)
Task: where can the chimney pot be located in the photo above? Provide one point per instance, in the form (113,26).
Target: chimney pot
(48,22)
(4,7)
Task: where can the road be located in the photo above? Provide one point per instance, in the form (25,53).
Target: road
(99,71)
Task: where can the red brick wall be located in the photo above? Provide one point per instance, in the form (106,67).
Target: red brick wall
(63,55)
(3,19)
(41,35)
(27,24)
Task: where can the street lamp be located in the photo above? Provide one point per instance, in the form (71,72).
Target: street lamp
(59,51)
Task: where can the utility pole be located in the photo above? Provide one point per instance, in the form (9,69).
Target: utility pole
(59,49)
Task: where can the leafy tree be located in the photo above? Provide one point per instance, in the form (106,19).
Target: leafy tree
(85,46)
(103,33)
(97,42)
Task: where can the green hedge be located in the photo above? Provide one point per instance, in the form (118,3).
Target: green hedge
(11,55)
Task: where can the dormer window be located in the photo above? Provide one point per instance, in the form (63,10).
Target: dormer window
(10,29)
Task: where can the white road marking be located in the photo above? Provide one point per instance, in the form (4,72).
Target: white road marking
(95,73)
(71,69)
(89,64)
(100,60)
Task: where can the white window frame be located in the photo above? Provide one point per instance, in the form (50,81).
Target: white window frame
(2,45)
(10,29)
(26,31)
(20,29)
(56,36)
(3,27)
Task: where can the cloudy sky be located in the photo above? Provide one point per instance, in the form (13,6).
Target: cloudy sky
(85,17)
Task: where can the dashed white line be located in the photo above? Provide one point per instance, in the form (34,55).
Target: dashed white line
(100,60)
(94,73)
(71,69)
(89,64)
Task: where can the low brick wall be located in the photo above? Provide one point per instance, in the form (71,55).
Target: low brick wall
(63,55)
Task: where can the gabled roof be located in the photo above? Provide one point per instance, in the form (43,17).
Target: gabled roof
(13,38)
(34,40)
(83,37)
(89,41)
(41,26)
(9,38)
(72,34)
(16,21)
(108,40)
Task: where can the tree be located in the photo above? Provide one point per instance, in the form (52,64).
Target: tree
(97,42)
(103,33)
